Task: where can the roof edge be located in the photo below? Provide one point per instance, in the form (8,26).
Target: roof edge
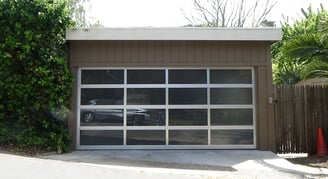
(178,33)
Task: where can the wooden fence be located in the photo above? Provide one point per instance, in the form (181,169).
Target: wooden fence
(299,111)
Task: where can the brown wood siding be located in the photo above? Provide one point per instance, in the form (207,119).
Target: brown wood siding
(265,125)
(167,53)
(72,123)
(270,106)
(261,103)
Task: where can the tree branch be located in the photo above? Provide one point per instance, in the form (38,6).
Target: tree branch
(237,13)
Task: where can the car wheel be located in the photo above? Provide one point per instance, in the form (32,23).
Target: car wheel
(88,117)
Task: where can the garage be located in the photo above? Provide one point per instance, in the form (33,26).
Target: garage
(171,88)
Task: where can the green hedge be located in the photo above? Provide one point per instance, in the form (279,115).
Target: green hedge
(35,82)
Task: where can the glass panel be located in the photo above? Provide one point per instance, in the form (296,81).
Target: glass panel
(231,117)
(146,117)
(187,77)
(188,96)
(146,137)
(188,137)
(231,76)
(231,96)
(188,117)
(101,137)
(232,137)
(102,76)
(101,117)
(146,76)
(102,96)
(144,96)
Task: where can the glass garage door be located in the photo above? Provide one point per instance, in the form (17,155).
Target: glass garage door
(134,108)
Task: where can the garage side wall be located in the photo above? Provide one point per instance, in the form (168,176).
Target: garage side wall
(184,54)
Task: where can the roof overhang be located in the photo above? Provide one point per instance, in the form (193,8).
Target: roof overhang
(181,33)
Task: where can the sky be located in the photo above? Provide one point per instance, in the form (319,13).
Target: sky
(168,13)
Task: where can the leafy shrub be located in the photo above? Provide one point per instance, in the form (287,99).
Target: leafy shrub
(34,74)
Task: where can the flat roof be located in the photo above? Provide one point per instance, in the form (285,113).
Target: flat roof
(179,33)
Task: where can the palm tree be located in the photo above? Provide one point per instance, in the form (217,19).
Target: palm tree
(311,49)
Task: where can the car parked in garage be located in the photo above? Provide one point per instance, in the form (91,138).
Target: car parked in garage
(135,117)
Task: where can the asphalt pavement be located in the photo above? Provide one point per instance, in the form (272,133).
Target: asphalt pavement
(155,164)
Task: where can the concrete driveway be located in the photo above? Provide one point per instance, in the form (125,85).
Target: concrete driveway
(156,164)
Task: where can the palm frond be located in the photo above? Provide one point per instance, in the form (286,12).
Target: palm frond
(318,73)
(307,47)
(315,69)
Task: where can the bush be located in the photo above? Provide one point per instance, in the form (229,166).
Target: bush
(34,74)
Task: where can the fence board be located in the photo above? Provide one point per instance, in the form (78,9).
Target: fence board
(299,111)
